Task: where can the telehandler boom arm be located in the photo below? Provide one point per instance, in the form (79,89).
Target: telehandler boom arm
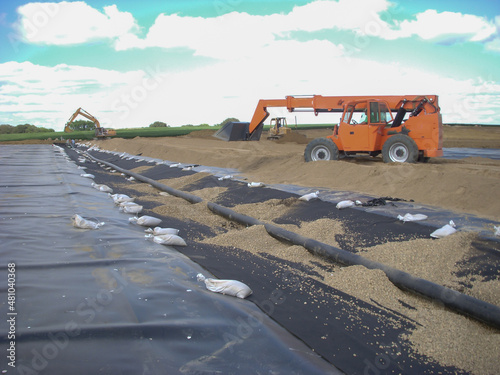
(367,125)
(319,103)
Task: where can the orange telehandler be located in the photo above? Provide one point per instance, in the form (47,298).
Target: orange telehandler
(99,132)
(404,128)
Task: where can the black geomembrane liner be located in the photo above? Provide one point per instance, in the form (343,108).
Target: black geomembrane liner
(107,301)
(344,330)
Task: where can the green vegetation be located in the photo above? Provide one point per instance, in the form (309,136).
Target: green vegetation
(134,132)
(158,124)
(26,128)
(47,135)
(82,125)
(159,131)
(120,133)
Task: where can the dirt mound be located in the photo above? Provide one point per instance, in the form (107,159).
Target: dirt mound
(293,136)
(207,133)
(471,136)
(466,185)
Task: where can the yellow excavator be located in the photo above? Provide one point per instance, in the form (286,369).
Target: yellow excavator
(99,131)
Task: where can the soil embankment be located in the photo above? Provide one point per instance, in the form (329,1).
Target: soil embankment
(466,186)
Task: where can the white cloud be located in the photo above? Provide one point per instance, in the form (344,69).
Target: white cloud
(47,96)
(431,25)
(255,57)
(68,23)
(37,93)
(494,44)
(235,35)
(341,15)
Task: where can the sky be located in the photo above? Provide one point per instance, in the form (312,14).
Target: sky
(131,63)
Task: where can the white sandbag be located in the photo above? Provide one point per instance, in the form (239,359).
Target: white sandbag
(101,187)
(169,240)
(190,168)
(255,184)
(226,177)
(145,221)
(130,208)
(87,175)
(80,222)
(309,196)
(121,198)
(230,287)
(445,230)
(410,217)
(127,203)
(345,204)
(131,179)
(158,231)
(175,165)
(497,230)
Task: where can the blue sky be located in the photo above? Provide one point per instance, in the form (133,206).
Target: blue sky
(131,63)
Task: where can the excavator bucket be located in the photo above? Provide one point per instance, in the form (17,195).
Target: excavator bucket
(237,131)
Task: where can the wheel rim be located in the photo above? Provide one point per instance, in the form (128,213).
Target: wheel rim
(399,153)
(320,153)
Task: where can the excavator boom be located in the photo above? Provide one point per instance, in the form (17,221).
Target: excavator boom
(99,132)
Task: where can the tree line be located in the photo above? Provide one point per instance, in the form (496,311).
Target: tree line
(78,125)
(161,124)
(25,128)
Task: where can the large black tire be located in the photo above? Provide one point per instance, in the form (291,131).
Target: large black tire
(321,149)
(400,149)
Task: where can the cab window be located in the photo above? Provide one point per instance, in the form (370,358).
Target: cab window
(379,113)
(347,114)
(374,114)
(385,113)
(356,114)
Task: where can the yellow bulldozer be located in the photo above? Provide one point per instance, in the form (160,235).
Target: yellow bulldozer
(278,128)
